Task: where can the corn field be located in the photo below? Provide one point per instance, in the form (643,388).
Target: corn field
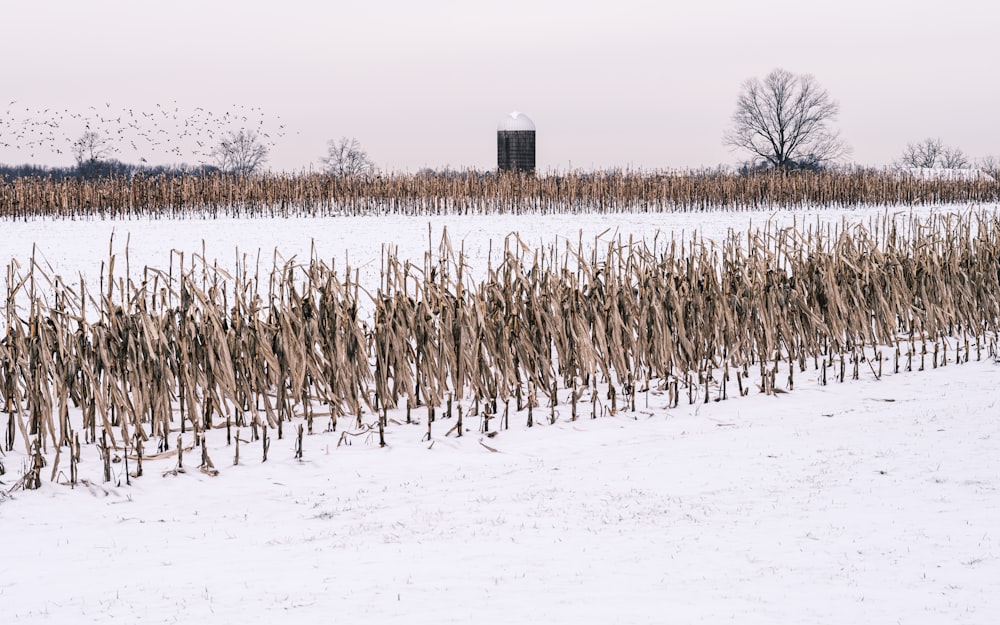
(158,355)
(472,193)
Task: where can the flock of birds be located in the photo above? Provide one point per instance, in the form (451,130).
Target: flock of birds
(167,132)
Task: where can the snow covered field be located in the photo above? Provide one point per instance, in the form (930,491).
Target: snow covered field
(871,501)
(74,247)
(867,502)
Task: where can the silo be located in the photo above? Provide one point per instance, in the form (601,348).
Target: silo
(516,143)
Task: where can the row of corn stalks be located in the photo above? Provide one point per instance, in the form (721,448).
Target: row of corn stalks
(198,347)
(473,192)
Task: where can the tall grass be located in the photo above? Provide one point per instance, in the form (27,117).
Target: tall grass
(322,195)
(195,347)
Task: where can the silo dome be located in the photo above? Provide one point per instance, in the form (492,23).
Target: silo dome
(516,121)
(516,143)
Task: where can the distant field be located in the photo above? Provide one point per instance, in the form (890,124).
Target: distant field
(273,195)
(71,247)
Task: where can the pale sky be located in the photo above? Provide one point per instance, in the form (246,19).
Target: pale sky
(628,83)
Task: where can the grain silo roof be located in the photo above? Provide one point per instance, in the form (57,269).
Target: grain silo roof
(515,121)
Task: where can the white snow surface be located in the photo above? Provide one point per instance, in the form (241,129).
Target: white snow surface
(71,248)
(862,502)
(868,501)
(946,173)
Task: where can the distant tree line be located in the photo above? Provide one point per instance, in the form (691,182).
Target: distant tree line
(101,169)
(239,152)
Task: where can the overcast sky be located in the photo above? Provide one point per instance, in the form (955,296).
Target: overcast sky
(638,83)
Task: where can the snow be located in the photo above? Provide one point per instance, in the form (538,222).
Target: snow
(71,248)
(868,501)
(516,121)
(946,173)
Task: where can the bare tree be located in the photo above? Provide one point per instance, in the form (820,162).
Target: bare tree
(786,121)
(931,153)
(91,151)
(346,157)
(926,153)
(989,164)
(91,147)
(954,158)
(240,152)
